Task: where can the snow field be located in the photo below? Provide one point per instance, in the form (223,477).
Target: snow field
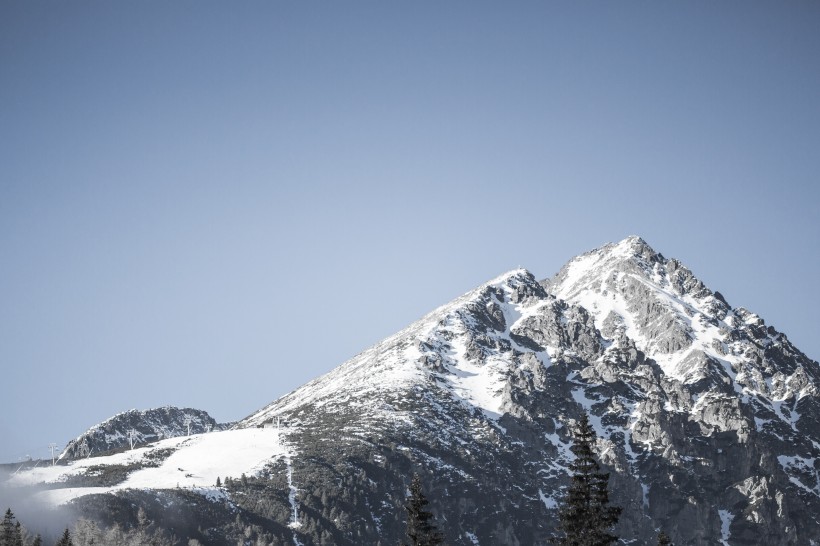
(195,464)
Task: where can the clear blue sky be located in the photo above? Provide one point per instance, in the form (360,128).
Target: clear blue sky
(207,204)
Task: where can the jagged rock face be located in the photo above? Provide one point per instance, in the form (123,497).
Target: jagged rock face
(707,419)
(147,426)
(731,402)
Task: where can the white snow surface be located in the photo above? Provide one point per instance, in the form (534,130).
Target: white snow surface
(195,463)
(394,365)
(726,518)
(549,502)
(794,466)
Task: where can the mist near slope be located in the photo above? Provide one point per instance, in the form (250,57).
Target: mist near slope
(31,510)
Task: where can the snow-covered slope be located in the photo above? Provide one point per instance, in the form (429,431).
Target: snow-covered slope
(708,421)
(194,462)
(443,342)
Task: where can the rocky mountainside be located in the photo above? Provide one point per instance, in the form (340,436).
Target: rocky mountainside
(708,420)
(139,427)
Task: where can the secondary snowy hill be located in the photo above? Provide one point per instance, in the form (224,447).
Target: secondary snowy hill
(707,419)
(188,462)
(139,427)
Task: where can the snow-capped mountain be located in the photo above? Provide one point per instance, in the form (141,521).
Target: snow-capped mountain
(138,427)
(708,420)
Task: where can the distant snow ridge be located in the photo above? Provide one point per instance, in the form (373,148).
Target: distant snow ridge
(141,426)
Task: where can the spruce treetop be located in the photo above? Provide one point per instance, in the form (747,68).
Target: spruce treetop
(420,527)
(586,517)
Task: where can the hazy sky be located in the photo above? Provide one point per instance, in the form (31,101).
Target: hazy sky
(207,204)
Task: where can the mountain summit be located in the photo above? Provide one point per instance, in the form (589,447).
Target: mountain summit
(707,420)
(690,331)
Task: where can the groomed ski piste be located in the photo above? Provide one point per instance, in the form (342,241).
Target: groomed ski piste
(195,463)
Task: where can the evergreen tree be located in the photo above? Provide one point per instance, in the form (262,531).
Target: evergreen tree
(18,534)
(142,518)
(8,527)
(65,540)
(86,533)
(11,533)
(664,540)
(38,541)
(420,527)
(586,517)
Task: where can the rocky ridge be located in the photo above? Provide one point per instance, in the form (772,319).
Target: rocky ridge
(141,426)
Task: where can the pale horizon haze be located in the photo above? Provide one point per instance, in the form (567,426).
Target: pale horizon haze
(207,205)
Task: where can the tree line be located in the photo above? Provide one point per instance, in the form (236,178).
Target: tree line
(86,533)
(586,517)
(13,533)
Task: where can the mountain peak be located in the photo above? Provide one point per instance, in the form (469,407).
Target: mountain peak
(632,255)
(517,273)
(672,317)
(633,249)
(632,246)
